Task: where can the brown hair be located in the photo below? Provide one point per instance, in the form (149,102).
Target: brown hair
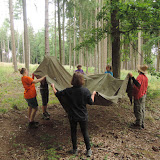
(22,70)
(108,66)
(79,66)
(77,79)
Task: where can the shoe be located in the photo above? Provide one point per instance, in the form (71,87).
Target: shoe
(32,125)
(135,126)
(89,153)
(45,116)
(36,123)
(75,152)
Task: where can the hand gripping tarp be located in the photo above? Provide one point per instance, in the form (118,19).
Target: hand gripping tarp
(109,89)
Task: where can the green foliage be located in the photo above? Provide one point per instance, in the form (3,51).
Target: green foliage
(52,154)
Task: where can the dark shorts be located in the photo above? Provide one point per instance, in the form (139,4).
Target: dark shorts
(32,102)
(44,95)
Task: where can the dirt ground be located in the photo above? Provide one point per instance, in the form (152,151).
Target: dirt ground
(110,134)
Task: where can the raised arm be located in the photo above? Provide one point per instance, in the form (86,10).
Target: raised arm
(38,80)
(135,81)
(93,95)
(54,90)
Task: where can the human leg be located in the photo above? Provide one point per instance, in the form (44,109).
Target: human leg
(137,111)
(84,130)
(34,111)
(45,96)
(143,109)
(29,113)
(73,125)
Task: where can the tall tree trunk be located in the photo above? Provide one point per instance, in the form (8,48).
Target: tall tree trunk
(46,29)
(8,52)
(95,49)
(26,46)
(55,39)
(158,57)
(131,54)
(23,57)
(59,28)
(63,57)
(139,47)
(105,52)
(80,38)
(70,45)
(110,48)
(74,43)
(87,57)
(116,42)
(99,44)
(12,36)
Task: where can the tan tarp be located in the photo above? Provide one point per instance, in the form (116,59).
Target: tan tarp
(109,88)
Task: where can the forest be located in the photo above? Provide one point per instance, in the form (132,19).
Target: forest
(93,33)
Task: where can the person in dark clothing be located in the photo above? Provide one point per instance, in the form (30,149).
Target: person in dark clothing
(78,97)
(139,93)
(45,97)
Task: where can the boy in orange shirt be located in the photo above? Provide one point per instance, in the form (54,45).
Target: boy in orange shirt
(30,96)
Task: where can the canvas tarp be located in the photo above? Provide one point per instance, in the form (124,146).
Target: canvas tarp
(109,89)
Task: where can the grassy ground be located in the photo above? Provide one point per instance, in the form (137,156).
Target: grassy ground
(111,137)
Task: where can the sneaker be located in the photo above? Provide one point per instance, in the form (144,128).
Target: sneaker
(89,153)
(136,126)
(45,116)
(36,123)
(32,125)
(75,152)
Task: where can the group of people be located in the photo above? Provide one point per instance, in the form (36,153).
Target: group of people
(108,69)
(79,96)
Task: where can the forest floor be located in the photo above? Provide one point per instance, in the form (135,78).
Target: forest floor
(110,134)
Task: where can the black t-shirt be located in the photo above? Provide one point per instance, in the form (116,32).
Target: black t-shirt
(44,85)
(78,98)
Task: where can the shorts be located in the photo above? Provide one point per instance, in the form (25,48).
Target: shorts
(32,102)
(45,96)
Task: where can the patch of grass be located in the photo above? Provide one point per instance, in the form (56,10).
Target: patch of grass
(106,157)
(149,117)
(52,154)
(3,110)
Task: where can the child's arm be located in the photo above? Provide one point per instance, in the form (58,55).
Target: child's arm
(93,95)
(38,80)
(54,90)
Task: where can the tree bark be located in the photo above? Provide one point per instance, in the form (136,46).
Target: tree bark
(116,42)
(26,46)
(12,36)
(99,44)
(95,49)
(70,45)
(46,29)
(139,48)
(55,40)
(59,28)
(158,57)
(63,57)
(80,37)
(74,43)
(131,54)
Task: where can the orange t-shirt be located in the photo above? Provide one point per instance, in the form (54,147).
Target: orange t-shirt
(30,90)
